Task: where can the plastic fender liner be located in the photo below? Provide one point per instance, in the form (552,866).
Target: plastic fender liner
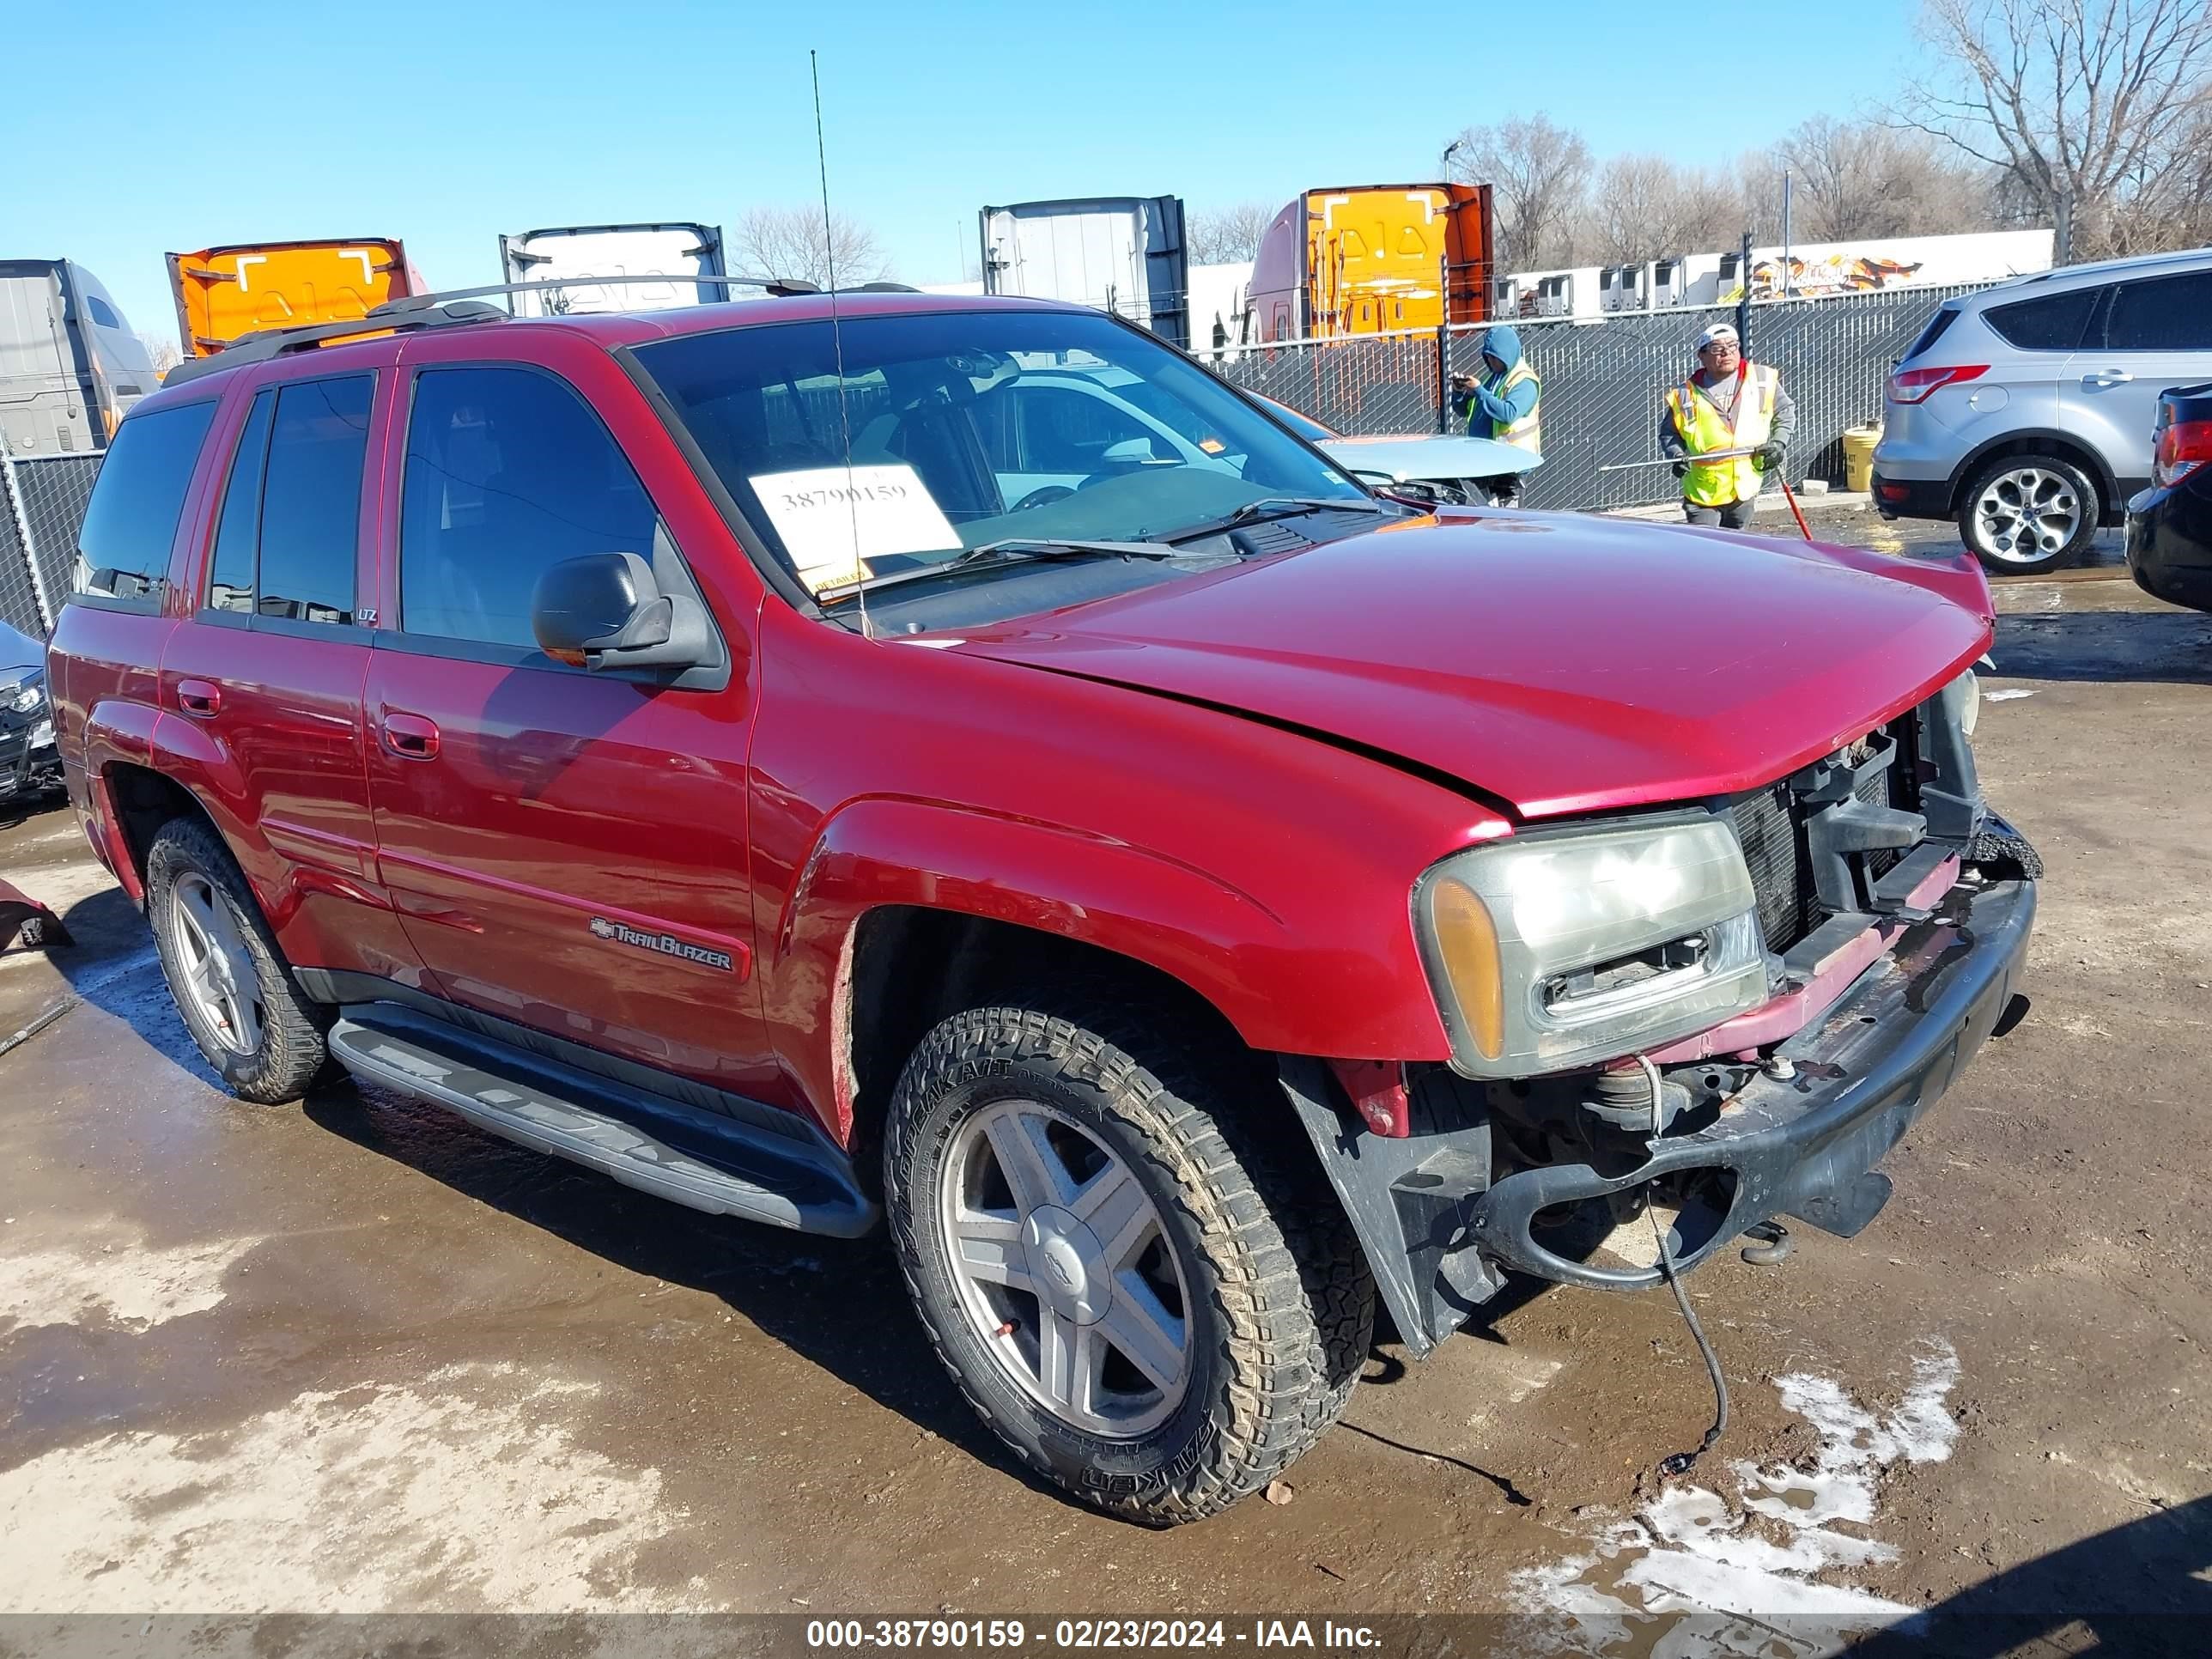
(1412,1201)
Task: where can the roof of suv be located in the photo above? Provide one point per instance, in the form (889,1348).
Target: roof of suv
(619,328)
(2142,265)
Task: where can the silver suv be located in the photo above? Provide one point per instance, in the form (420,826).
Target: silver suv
(2025,411)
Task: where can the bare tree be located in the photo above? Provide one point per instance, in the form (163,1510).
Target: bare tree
(1538,172)
(789,242)
(163,351)
(1853,178)
(1226,236)
(2095,110)
(1644,207)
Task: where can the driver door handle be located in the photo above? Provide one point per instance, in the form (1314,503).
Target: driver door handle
(410,736)
(2107,377)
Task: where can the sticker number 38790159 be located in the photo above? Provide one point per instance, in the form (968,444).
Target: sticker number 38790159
(834,518)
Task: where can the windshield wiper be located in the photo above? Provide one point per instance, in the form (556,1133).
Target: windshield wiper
(1014,550)
(1276,506)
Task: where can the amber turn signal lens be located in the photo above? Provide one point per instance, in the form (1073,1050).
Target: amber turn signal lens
(1466,939)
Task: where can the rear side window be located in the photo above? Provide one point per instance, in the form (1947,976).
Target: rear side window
(2050,322)
(123,548)
(102,312)
(2161,314)
(310,500)
(509,471)
(230,579)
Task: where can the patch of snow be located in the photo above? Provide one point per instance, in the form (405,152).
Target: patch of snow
(2005,696)
(465,1492)
(119,1281)
(1699,1575)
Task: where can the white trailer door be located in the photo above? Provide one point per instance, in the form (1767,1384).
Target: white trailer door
(45,407)
(579,255)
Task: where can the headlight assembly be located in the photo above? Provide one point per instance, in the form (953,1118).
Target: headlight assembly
(23,699)
(1552,950)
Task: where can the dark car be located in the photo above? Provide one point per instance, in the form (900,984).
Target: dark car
(30,764)
(1189,905)
(2170,524)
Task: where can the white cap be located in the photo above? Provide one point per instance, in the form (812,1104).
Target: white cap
(1715,333)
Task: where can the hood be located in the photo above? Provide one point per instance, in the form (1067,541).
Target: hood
(1405,458)
(1556,663)
(1502,341)
(19,651)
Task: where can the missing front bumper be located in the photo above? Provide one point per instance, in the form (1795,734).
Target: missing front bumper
(1806,1146)
(1437,1227)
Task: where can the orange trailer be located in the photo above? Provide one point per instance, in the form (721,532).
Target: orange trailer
(224,292)
(1373,259)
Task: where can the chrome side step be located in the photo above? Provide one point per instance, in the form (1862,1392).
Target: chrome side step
(701,1160)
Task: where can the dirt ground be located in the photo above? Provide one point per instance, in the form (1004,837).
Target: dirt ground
(353,1356)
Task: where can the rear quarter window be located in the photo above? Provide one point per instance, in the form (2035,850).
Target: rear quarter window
(1937,325)
(123,548)
(2050,322)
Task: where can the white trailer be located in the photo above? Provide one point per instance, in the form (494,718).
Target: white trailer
(70,366)
(1125,254)
(577,255)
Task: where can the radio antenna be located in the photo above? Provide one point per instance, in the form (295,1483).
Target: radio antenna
(837,343)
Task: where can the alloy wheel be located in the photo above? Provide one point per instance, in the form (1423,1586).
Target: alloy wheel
(217,970)
(2027,515)
(1063,1269)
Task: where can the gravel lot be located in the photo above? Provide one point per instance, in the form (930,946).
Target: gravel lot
(355,1357)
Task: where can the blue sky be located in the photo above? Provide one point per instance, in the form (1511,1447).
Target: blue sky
(446,125)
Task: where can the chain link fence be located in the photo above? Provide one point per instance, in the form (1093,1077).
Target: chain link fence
(42,501)
(1364,383)
(1606,382)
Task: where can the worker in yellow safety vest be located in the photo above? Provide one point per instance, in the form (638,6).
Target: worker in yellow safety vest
(1507,402)
(1729,403)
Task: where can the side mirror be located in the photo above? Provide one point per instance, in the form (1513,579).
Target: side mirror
(1130,452)
(605,611)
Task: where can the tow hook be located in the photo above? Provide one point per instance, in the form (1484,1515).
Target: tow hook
(1772,1247)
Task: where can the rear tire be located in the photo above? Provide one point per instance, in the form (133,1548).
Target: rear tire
(2025,514)
(231,984)
(1209,1331)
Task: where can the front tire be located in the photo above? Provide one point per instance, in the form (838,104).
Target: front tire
(1158,1307)
(230,982)
(2025,514)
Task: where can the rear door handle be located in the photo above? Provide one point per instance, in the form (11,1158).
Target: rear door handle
(201,699)
(2107,377)
(410,736)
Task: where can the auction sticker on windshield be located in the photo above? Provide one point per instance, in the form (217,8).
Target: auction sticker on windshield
(832,518)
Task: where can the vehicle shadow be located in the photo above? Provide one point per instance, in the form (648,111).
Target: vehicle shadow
(2144,1587)
(2170,646)
(112,966)
(840,1303)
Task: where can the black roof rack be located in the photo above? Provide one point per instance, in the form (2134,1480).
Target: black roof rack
(463,305)
(398,315)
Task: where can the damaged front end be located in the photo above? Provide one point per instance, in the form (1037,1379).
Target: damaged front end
(1887,914)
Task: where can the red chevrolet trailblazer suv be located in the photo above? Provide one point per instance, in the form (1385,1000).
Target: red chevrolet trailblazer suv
(817,758)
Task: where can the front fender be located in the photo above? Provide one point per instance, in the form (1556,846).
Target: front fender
(1320,973)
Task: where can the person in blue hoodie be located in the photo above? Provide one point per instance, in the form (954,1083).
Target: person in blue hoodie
(1507,401)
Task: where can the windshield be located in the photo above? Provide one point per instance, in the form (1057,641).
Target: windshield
(1312,431)
(971,428)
